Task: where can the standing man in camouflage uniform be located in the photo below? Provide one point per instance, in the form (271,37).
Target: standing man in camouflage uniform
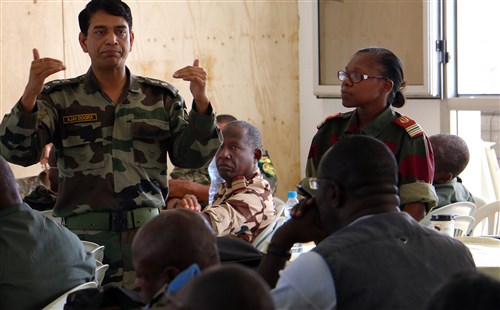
(112,131)
(244,206)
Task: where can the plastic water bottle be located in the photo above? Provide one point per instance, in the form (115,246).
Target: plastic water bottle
(290,203)
(215,179)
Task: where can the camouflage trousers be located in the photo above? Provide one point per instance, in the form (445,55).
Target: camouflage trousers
(117,253)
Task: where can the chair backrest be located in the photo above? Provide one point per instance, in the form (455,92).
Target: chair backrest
(479,201)
(487,219)
(95,248)
(100,272)
(456,208)
(463,225)
(263,243)
(60,301)
(279,207)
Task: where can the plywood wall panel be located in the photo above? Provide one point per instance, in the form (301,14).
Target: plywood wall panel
(24,26)
(248,48)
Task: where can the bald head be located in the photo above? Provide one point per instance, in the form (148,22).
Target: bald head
(8,186)
(168,244)
(357,176)
(227,287)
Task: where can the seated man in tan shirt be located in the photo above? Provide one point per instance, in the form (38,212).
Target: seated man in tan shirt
(243,207)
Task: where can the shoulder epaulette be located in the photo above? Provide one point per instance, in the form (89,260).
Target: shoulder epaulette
(333,116)
(412,128)
(58,84)
(158,83)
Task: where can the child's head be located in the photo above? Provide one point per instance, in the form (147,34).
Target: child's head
(451,156)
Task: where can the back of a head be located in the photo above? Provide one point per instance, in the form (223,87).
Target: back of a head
(451,153)
(467,291)
(357,161)
(176,237)
(8,186)
(227,287)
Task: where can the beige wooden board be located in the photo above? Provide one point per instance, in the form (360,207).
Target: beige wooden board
(25,25)
(348,25)
(248,48)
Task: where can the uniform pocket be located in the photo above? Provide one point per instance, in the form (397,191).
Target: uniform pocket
(82,147)
(150,142)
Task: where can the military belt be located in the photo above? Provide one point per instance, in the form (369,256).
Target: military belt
(111,220)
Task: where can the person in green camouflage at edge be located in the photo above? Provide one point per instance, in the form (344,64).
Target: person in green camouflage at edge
(112,131)
(372,83)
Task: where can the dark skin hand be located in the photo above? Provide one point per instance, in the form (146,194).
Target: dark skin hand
(305,228)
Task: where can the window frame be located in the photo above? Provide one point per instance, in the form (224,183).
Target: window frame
(433,58)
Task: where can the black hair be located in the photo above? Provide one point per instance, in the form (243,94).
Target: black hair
(392,69)
(356,161)
(113,7)
(451,153)
(465,291)
(252,132)
(225,118)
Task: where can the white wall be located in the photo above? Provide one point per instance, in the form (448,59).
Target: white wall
(312,110)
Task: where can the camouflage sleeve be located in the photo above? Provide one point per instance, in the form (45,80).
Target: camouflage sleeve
(195,137)
(418,192)
(234,216)
(416,171)
(24,135)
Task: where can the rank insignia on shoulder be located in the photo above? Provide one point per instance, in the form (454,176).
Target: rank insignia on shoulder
(412,128)
(329,117)
(159,83)
(58,84)
(268,169)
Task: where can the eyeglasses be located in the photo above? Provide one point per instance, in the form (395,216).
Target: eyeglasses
(314,182)
(356,77)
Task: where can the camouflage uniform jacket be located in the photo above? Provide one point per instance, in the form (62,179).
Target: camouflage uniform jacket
(110,157)
(199,176)
(403,136)
(243,208)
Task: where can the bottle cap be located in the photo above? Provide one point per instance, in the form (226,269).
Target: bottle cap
(292,194)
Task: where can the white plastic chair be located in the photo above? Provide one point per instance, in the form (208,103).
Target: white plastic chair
(267,238)
(60,301)
(279,207)
(479,201)
(100,272)
(92,247)
(456,208)
(487,219)
(463,225)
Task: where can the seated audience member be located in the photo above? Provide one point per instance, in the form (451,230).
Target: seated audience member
(43,197)
(467,291)
(244,206)
(40,259)
(225,287)
(370,255)
(169,250)
(451,156)
(202,182)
